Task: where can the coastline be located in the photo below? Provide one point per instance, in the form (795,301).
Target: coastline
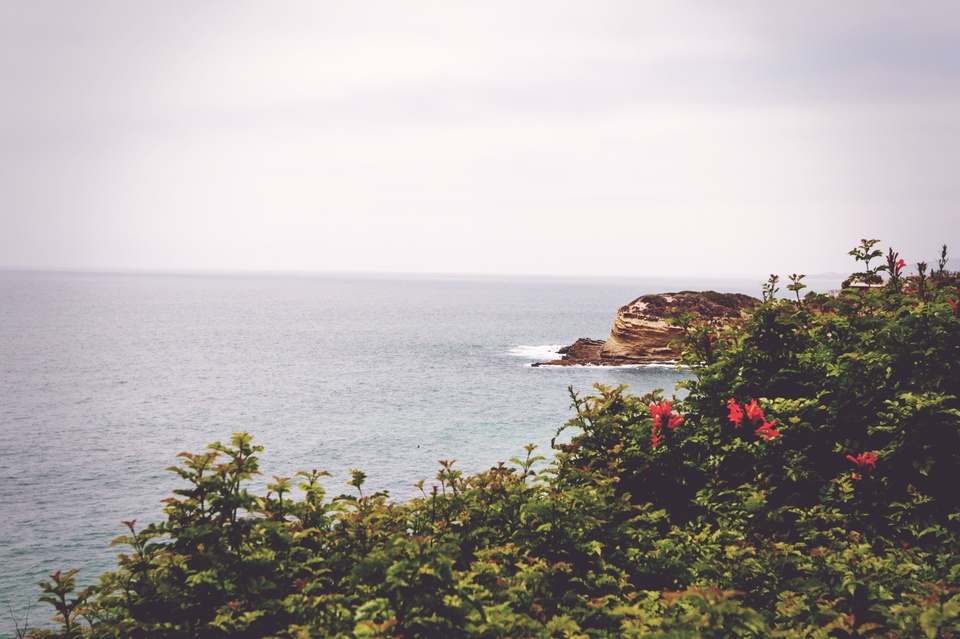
(644,331)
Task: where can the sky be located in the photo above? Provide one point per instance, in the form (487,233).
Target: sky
(637,138)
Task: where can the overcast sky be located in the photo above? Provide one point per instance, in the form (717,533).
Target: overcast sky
(588,138)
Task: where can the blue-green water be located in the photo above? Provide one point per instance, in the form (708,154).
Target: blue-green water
(104,378)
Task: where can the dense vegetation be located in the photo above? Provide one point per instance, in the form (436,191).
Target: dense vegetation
(806,485)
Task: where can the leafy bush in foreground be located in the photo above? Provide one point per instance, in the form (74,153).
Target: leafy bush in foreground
(805,486)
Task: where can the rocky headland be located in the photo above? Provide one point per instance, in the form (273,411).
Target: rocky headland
(642,333)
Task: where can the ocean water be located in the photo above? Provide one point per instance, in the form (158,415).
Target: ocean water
(105,377)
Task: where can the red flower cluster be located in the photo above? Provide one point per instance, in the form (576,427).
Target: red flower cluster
(736,413)
(655,438)
(754,413)
(865,462)
(663,417)
(767,430)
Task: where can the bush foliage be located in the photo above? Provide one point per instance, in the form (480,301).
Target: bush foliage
(805,485)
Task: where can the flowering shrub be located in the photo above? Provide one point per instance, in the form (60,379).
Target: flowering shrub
(738,519)
(755,414)
(865,462)
(662,418)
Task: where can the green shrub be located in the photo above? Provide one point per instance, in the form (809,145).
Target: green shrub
(804,486)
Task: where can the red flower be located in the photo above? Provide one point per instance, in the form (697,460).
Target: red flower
(857,477)
(754,412)
(767,430)
(953,303)
(736,413)
(660,408)
(662,415)
(864,461)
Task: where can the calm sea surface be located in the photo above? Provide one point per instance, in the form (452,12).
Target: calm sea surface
(104,378)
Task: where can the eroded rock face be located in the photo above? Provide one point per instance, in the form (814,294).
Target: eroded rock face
(634,340)
(641,332)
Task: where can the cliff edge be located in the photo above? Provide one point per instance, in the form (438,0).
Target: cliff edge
(642,334)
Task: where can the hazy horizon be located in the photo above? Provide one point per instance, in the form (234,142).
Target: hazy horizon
(630,139)
(466,275)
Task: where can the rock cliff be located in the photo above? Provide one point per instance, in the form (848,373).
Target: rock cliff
(641,332)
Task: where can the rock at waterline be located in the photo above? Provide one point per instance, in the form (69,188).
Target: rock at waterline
(642,334)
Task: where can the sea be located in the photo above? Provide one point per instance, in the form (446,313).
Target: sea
(106,376)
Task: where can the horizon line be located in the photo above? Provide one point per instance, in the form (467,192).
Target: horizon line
(384,274)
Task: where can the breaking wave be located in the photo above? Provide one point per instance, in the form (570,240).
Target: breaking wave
(539,353)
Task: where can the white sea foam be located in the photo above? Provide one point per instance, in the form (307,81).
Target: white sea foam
(542,353)
(539,353)
(662,365)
